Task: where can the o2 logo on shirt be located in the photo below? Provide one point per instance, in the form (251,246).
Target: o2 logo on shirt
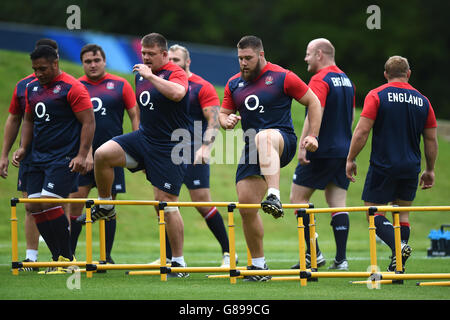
(41,111)
(98,105)
(144,99)
(252,103)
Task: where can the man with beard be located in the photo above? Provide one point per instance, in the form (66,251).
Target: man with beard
(262,93)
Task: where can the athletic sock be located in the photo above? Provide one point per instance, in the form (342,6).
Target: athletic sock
(385,231)
(305,217)
(168,248)
(110,232)
(405,230)
(274,191)
(215,223)
(32,254)
(179,260)
(45,229)
(259,262)
(60,226)
(106,206)
(75,230)
(340,222)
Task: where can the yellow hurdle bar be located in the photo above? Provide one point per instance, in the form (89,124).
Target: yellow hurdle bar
(234,271)
(415,276)
(434,283)
(398,240)
(232,241)
(126,266)
(14,238)
(53,264)
(88,226)
(162,239)
(312,241)
(301,249)
(102,234)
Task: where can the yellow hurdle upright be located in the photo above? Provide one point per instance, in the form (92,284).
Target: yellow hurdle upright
(234,271)
(14,238)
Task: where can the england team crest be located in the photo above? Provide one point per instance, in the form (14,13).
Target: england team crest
(269,80)
(57,89)
(110,85)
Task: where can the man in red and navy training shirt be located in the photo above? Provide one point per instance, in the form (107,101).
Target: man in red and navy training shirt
(60,120)
(111,95)
(262,93)
(12,126)
(162,93)
(399,115)
(325,168)
(204,106)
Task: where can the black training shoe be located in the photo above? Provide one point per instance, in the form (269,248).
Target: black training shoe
(28,269)
(257,277)
(320,261)
(406,253)
(177,274)
(98,213)
(272,205)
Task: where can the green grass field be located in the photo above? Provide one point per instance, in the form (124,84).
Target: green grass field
(137,235)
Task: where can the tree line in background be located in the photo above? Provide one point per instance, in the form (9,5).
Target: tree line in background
(415,29)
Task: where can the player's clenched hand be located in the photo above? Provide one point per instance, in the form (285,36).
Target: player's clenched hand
(310,143)
(202,155)
(4,162)
(427,179)
(143,70)
(78,164)
(302,156)
(89,162)
(350,170)
(18,156)
(232,120)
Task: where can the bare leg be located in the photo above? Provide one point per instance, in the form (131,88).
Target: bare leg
(270,145)
(106,157)
(252,190)
(174,222)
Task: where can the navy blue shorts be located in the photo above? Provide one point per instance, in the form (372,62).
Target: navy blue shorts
(197,176)
(52,179)
(22,177)
(247,166)
(382,189)
(160,170)
(118,185)
(320,172)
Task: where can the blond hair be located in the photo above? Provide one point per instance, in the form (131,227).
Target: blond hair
(185,51)
(396,67)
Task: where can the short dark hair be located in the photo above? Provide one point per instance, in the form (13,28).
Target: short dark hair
(90,47)
(44,51)
(250,42)
(154,39)
(48,42)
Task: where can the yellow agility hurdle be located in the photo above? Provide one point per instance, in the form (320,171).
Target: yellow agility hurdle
(163,268)
(235,272)
(381,277)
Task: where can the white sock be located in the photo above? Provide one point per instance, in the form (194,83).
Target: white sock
(32,254)
(106,206)
(259,262)
(275,192)
(179,260)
